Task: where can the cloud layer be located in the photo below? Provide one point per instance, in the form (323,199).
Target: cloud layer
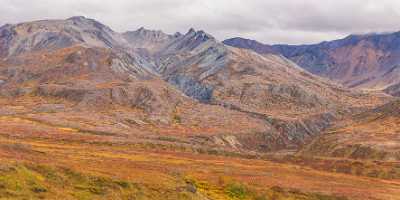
(269,21)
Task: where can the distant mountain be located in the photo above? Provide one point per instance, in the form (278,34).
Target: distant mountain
(251,44)
(358,61)
(235,98)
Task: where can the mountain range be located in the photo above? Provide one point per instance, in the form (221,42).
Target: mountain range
(77,81)
(369,62)
(91,66)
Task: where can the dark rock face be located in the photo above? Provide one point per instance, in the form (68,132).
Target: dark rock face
(393,90)
(311,58)
(6,35)
(192,88)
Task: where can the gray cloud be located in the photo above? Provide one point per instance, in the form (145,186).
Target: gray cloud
(269,21)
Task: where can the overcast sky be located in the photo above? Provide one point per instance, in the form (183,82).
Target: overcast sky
(269,21)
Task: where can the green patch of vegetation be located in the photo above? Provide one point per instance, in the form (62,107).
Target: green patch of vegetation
(37,182)
(19,181)
(236,191)
(31,181)
(279,193)
(177,119)
(231,190)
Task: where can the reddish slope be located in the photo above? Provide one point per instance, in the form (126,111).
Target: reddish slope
(371,135)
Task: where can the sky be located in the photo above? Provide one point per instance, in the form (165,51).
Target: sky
(268,21)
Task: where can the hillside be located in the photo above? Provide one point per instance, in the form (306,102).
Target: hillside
(358,61)
(373,134)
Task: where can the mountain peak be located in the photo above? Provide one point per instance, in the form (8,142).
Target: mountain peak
(56,34)
(191,30)
(77,18)
(142,29)
(88,23)
(146,33)
(192,33)
(177,34)
(5,25)
(143,38)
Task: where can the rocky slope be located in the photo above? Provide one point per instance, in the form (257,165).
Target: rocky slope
(373,134)
(188,86)
(357,61)
(150,40)
(261,86)
(54,34)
